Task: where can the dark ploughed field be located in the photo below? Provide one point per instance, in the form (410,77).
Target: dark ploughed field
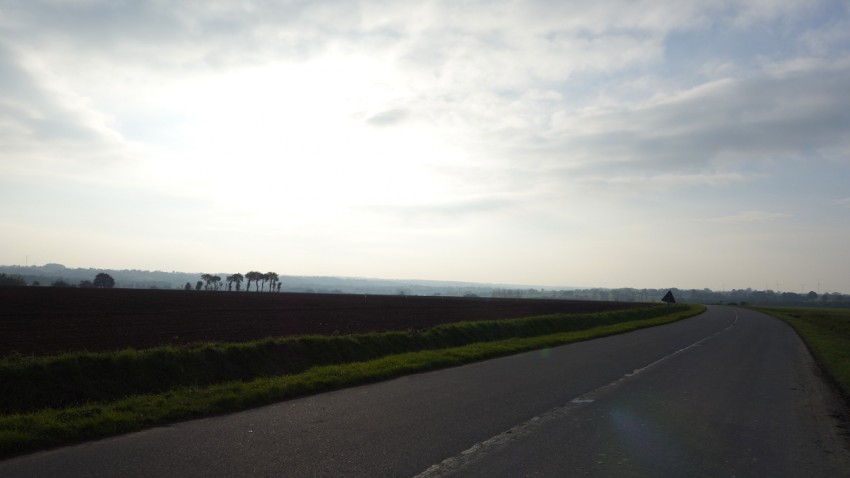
(44,320)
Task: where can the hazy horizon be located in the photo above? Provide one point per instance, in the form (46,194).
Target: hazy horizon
(600,144)
(413,280)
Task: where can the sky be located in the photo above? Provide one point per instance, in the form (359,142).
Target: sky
(647,144)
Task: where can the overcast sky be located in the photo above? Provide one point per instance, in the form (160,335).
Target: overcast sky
(588,143)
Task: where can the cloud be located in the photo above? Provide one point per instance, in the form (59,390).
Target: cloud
(746,217)
(48,128)
(523,81)
(843,202)
(667,180)
(830,39)
(727,121)
(35,105)
(451,209)
(388,117)
(519,115)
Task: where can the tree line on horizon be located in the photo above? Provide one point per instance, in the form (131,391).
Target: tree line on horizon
(53,276)
(101,281)
(214,282)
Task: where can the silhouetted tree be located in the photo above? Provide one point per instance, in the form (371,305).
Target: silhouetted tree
(254,276)
(199,285)
(104,281)
(238,278)
(13,280)
(272,278)
(216,280)
(86,284)
(60,283)
(207,278)
(188,286)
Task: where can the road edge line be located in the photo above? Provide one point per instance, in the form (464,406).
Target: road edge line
(481,449)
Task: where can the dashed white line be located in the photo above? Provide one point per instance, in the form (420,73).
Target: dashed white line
(481,449)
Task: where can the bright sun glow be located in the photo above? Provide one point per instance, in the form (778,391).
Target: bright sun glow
(304,129)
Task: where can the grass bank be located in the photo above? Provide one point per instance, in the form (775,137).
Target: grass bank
(827,334)
(30,383)
(214,379)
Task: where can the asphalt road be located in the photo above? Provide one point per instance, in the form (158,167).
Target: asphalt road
(728,393)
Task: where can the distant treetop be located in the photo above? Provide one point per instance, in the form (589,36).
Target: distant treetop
(103,281)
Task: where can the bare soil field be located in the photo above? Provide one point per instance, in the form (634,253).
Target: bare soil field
(46,320)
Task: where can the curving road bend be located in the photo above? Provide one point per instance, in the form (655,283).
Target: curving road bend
(729,393)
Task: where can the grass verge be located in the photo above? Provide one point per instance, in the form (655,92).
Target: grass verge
(827,334)
(32,383)
(22,432)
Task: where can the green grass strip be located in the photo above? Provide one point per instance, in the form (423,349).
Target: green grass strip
(25,432)
(32,383)
(827,334)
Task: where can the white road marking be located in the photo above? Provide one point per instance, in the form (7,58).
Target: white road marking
(481,449)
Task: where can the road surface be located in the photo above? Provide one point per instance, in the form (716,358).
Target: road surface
(728,393)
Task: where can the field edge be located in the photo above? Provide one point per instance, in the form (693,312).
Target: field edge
(22,433)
